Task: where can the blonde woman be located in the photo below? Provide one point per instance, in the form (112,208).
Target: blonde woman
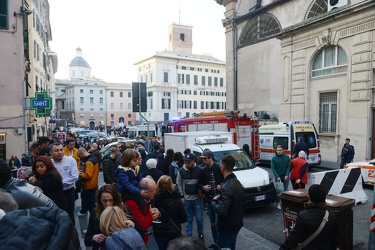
(120,235)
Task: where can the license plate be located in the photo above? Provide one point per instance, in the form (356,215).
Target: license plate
(260,198)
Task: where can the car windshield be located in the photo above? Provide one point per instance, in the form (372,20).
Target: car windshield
(242,160)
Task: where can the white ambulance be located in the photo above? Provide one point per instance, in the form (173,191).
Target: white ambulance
(286,134)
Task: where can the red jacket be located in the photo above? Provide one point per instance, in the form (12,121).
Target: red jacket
(299,169)
(142,216)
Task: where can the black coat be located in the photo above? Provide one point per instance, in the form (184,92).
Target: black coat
(229,207)
(154,173)
(109,169)
(52,187)
(26,195)
(38,228)
(169,205)
(218,176)
(308,220)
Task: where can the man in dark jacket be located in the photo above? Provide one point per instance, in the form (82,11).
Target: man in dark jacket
(228,205)
(110,165)
(158,156)
(212,179)
(308,221)
(26,195)
(300,145)
(189,182)
(347,153)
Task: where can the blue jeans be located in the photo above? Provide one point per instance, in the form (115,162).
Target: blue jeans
(227,240)
(213,219)
(194,208)
(286,186)
(88,200)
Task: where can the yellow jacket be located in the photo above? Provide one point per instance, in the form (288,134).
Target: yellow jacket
(90,174)
(75,156)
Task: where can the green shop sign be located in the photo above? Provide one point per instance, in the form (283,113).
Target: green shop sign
(41,103)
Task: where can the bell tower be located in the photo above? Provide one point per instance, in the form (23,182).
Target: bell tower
(180,38)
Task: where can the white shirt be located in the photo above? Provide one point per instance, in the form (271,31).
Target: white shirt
(67,167)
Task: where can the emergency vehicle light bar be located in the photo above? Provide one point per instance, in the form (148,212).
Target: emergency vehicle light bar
(211,140)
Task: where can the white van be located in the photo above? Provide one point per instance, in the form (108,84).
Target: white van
(286,134)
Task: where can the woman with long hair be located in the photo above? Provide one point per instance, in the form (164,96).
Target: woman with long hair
(49,180)
(120,235)
(168,201)
(107,197)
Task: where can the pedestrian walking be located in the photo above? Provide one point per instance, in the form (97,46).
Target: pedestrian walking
(280,165)
(189,182)
(228,205)
(300,145)
(299,169)
(347,153)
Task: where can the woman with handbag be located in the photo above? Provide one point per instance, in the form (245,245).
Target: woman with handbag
(168,201)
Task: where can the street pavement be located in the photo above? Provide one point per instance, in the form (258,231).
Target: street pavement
(246,239)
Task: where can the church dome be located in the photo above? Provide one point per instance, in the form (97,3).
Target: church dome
(79,61)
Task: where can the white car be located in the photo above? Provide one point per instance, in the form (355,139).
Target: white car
(367,170)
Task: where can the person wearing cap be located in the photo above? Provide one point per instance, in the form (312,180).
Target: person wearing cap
(189,182)
(212,179)
(299,169)
(152,170)
(110,165)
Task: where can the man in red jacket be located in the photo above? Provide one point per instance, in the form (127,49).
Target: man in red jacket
(299,167)
(141,208)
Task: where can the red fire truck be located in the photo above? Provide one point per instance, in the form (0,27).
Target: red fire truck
(245,130)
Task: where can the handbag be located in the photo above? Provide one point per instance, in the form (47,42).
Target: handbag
(308,240)
(279,186)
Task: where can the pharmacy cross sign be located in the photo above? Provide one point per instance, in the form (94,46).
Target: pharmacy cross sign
(41,103)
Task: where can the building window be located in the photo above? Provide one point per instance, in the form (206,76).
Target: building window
(182,37)
(112,105)
(91,100)
(129,94)
(187,79)
(81,100)
(221,82)
(129,106)
(195,105)
(209,81)
(121,106)
(316,8)
(91,91)
(4,14)
(195,80)
(129,115)
(329,61)
(81,91)
(165,103)
(121,94)
(101,100)
(112,94)
(328,112)
(101,91)
(203,80)
(202,104)
(215,82)
(165,76)
(260,28)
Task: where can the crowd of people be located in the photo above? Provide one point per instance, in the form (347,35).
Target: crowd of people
(146,192)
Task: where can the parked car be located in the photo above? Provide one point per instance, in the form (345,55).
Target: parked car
(367,170)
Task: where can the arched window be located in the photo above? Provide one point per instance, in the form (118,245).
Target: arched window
(258,29)
(317,7)
(182,37)
(330,60)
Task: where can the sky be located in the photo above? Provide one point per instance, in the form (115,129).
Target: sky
(115,34)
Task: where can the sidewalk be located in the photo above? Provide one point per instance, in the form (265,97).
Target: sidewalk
(246,239)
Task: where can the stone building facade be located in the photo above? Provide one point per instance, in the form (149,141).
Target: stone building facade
(306,60)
